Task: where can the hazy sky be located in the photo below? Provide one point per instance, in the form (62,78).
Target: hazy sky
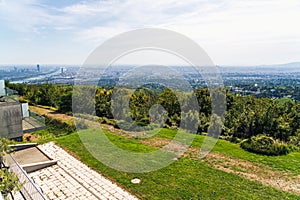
(232,32)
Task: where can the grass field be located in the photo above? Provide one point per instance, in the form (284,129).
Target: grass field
(290,162)
(186,178)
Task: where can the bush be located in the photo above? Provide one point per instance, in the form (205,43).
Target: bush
(295,140)
(81,125)
(143,122)
(9,182)
(105,120)
(265,145)
(123,125)
(134,126)
(58,127)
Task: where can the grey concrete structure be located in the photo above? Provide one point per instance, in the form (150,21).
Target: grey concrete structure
(32,159)
(16,118)
(2,88)
(25,109)
(29,155)
(11,120)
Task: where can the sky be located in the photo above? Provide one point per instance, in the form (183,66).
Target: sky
(232,32)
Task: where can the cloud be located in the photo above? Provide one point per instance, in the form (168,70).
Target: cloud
(215,24)
(99,34)
(228,20)
(246,19)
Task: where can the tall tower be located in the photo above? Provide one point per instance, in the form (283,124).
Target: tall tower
(38,67)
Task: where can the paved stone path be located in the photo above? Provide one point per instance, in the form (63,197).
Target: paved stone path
(71,179)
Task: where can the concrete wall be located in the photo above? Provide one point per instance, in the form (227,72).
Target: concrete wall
(18,147)
(10,120)
(38,166)
(2,88)
(25,110)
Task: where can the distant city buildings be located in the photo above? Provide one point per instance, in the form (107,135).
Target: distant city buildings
(261,82)
(38,67)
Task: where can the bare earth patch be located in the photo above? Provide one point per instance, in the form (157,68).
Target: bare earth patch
(156,142)
(253,171)
(50,113)
(30,137)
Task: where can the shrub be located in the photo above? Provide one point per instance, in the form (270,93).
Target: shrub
(81,125)
(134,126)
(295,140)
(105,120)
(235,140)
(9,182)
(58,127)
(143,122)
(140,123)
(265,145)
(123,125)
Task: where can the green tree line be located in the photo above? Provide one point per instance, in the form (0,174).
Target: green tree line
(246,116)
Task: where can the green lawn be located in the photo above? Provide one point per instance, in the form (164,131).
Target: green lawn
(290,162)
(186,178)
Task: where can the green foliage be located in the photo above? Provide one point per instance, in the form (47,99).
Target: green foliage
(58,96)
(140,104)
(105,120)
(64,105)
(295,140)
(265,145)
(9,181)
(249,116)
(4,149)
(169,100)
(81,124)
(246,116)
(134,126)
(58,127)
(4,146)
(103,103)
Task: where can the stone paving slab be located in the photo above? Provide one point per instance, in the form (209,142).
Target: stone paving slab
(29,156)
(70,179)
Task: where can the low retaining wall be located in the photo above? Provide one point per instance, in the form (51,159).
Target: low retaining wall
(18,147)
(38,166)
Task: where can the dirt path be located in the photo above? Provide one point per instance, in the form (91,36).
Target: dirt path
(50,113)
(252,171)
(288,182)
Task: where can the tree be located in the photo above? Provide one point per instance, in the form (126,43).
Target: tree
(103,103)
(216,126)
(65,102)
(169,101)
(4,148)
(204,101)
(9,181)
(140,104)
